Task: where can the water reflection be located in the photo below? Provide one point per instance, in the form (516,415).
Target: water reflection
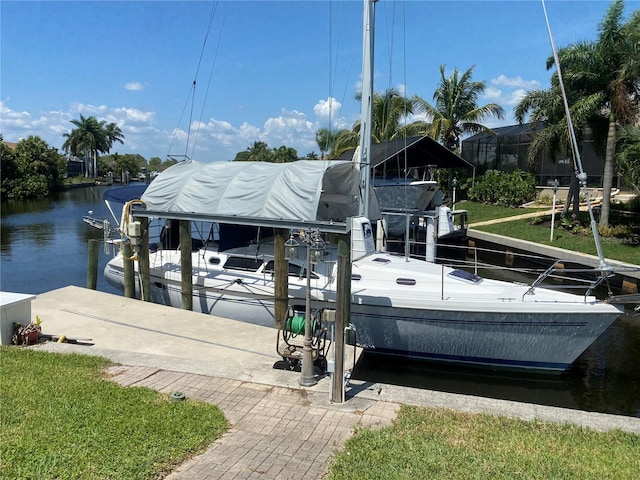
(44,242)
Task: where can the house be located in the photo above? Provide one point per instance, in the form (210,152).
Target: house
(507,151)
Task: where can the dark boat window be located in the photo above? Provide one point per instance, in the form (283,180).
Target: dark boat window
(243,263)
(214,260)
(405,281)
(356,276)
(294,270)
(466,276)
(381,260)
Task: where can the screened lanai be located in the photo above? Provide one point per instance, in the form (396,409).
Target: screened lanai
(507,151)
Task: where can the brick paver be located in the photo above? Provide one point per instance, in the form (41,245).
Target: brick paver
(276,432)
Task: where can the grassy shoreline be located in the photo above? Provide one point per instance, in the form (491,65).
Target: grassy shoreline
(624,249)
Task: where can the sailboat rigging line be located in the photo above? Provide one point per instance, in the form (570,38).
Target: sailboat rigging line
(213,64)
(192,89)
(580,173)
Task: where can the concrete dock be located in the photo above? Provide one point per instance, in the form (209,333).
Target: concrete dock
(279,429)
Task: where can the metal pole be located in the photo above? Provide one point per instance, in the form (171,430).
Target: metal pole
(307,377)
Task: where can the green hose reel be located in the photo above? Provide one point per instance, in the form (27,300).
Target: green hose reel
(295,324)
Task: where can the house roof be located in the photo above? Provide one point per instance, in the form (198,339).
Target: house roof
(419,151)
(502,132)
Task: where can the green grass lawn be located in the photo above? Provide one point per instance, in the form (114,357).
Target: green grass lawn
(621,249)
(440,444)
(60,419)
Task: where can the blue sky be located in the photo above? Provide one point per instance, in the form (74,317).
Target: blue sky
(268,71)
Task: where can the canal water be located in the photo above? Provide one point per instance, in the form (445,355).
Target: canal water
(44,245)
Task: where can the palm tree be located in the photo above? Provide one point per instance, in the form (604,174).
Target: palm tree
(259,152)
(113,134)
(456,109)
(325,138)
(607,69)
(545,109)
(390,110)
(628,157)
(90,137)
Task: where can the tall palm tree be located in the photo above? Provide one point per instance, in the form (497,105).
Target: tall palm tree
(607,69)
(456,110)
(113,133)
(87,139)
(547,117)
(390,110)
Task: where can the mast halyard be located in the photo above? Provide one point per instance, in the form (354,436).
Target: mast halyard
(368,22)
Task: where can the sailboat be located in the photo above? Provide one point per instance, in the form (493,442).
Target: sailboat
(399,305)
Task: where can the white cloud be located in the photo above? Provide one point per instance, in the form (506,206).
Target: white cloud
(515,82)
(213,140)
(327,110)
(133,86)
(290,128)
(493,94)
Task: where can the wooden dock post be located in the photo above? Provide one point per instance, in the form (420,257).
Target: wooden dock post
(92,267)
(343,314)
(281,278)
(129,276)
(186,265)
(143,260)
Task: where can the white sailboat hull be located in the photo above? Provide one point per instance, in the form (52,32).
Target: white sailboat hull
(405,307)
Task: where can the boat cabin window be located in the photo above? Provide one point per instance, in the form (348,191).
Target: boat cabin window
(356,276)
(381,260)
(405,281)
(465,276)
(214,260)
(294,270)
(243,263)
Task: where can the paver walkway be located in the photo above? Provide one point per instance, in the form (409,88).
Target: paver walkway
(276,432)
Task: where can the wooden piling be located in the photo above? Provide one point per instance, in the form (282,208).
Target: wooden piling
(281,277)
(144,270)
(186,265)
(343,314)
(92,267)
(129,276)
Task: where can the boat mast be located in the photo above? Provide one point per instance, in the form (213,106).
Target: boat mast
(580,173)
(368,21)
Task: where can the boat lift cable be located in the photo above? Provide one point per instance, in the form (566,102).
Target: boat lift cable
(580,173)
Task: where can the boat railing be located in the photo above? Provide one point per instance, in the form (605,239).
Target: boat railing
(570,279)
(522,268)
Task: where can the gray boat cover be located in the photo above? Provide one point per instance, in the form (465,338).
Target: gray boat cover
(305,190)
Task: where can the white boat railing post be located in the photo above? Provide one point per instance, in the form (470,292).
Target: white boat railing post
(553,208)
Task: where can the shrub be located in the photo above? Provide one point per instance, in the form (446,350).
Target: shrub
(504,189)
